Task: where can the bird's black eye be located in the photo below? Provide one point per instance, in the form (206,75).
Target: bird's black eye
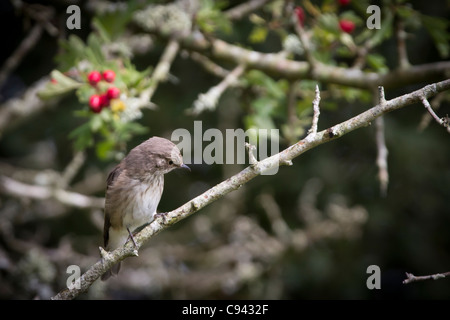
(170,162)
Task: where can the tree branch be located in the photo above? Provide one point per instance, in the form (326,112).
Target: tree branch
(443,122)
(15,110)
(209,100)
(276,65)
(22,190)
(400,35)
(316,111)
(16,57)
(243,9)
(382,150)
(161,71)
(412,278)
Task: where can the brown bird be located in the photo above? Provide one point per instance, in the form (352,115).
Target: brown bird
(134,189)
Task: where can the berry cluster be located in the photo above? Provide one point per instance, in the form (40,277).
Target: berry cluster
(100,100)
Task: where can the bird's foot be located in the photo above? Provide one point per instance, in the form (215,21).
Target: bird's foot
(132,238)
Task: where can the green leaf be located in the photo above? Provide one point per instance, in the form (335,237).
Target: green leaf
(211,19)
(112,24)
(125,131)
(437,28)
(94,51)
(329,22)
(275,89)
(73,51)
(259,122)
(264,106)
(134,78)
(62,86)
(96,122)
(377,62)
(376,36)
(85,92)
(83,136)
(304,108)
(103,149)
(258,34)
(103,33)
(354,94)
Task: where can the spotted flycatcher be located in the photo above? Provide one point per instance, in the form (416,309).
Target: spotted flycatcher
(134,188)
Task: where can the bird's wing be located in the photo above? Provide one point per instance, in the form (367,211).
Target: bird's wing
(113,175)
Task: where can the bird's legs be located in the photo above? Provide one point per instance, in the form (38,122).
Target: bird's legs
(132,238)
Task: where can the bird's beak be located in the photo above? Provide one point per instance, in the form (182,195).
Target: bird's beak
(185,167)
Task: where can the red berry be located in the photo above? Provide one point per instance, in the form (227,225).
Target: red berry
(113,92)
(347,25)
(344,2)
(300,15)
(95,103)
(94,77)
(104,100)
(109,75)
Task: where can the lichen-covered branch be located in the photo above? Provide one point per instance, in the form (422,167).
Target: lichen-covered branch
(278,66)
(243,9)
(22,190)
(382,150)
(239,179)
(209,100)
(161,71)
(15,110)
(412,278)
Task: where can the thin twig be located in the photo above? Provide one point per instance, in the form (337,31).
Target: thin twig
(443,122)
(278,224)
(251,156)
(22,190)
(161,71)
(209,100)
(72,169)
(209,65)
(412,278)
(402,53)
(382,150)
(244,9)
(305,44)
(316,114)
(291,134)
(435,105)
(16,57)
